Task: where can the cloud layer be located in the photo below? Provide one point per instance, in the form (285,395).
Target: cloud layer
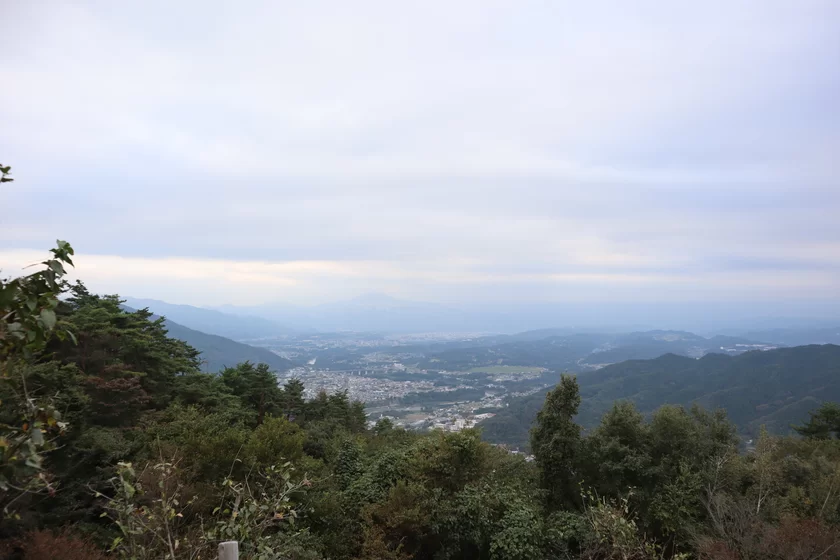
(510,151)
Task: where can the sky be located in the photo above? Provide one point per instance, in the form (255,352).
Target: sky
(215,153)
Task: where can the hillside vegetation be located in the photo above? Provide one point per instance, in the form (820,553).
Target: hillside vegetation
(775,388)
(217,352)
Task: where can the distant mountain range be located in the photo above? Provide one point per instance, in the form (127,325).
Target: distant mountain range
(385,314)
(651,344)
(370,312)
(217,352)
(556,349)
(382,313)
(776,388)
(798,336)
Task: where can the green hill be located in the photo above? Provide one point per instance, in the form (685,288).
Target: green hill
(217,352)
(776,388)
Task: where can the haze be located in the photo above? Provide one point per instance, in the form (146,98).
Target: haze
(608,153)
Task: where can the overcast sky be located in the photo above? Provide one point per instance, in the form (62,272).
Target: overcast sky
(242,152)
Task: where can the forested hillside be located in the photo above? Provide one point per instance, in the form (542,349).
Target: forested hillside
(217,352)
(775,388)
(114,444)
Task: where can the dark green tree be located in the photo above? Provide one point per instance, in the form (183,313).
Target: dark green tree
(348,466)
(256,386)
(823,424)
(383,426)
(293,402)
(555,442)
(617,453)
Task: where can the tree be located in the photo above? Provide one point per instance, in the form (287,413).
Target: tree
(273,442)
(766,469)
(383,426)
(617,454)
(450,460)
(824,423)
(348,465)
(27,323)
(256,386)
(555,441)
(293,399)
(123,369)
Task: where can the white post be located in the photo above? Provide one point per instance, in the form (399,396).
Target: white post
(229,550)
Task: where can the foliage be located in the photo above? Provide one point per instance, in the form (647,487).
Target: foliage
(774,388)
(824,423)
(153,518)
(28,422)
(147,509)
(555,440)
(259,512)
(5,171)
(256,386)
(613,530)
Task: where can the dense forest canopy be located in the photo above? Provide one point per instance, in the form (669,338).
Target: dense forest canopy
(116,444)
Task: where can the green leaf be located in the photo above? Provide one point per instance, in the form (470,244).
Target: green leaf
(57,267)
(116,542)
(48,318)
(72,337)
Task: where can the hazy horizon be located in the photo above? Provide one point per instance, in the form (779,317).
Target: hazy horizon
(380,313)
(635,161)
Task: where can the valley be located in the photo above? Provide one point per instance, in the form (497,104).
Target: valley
(456,381)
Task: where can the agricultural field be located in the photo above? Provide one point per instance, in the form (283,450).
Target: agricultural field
(507,369)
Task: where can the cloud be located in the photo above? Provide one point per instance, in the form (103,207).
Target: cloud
(525,149)
(212,281)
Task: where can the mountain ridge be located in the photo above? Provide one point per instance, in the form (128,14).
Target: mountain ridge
(212,321)
(774,387)
(218,352)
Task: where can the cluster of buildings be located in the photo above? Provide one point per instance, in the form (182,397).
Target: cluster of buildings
(458,423)
(382,380)
(437,421)
(356,383)
(741,348)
